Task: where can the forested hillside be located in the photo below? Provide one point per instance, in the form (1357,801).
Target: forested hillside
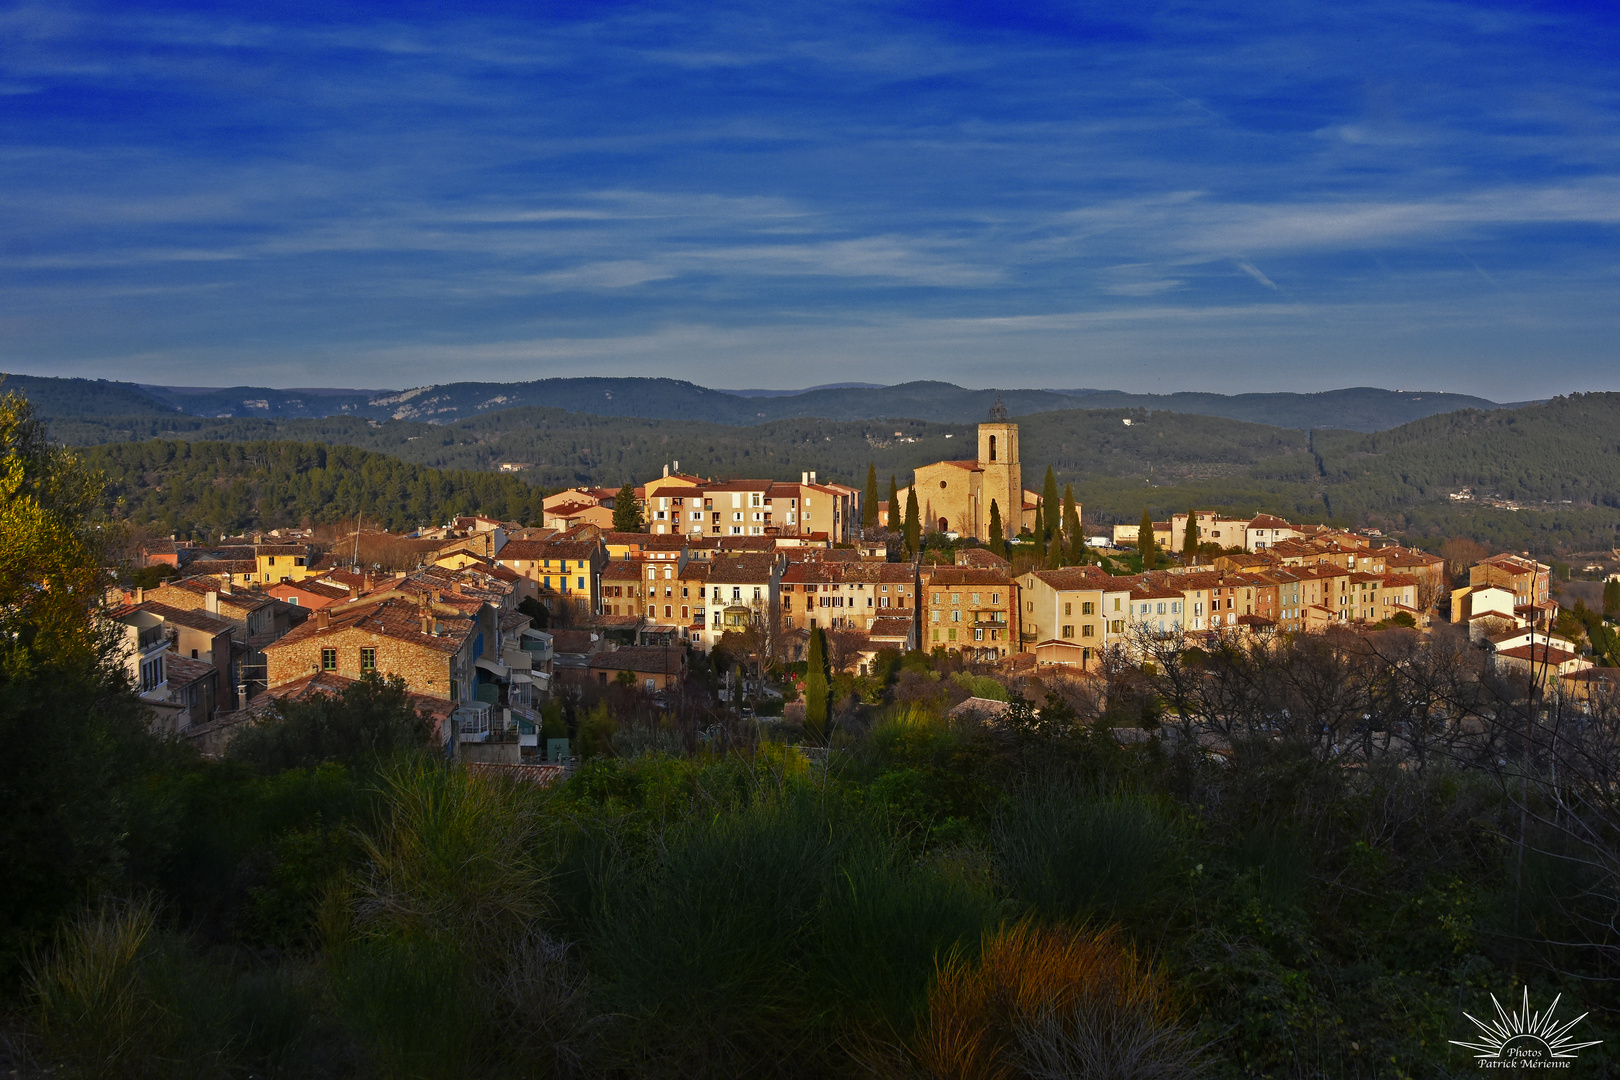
(1559,460)
(559,448)
(1562,451)
(211,488)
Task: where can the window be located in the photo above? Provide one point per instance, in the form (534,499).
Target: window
(975,598)
(995,598)
(328,659)
(933,616)
(956,616)
(978,634)
(368,660)
(1087,607)
(1068,631)
(1068,609)
(1088,630)
(936,633)
(956,598)
(953,634)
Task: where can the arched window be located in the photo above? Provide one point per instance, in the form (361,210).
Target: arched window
(992,448)
(944,526)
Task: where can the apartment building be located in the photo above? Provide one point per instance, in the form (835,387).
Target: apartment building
(969,610)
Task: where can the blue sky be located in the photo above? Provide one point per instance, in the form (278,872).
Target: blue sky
(1149,197)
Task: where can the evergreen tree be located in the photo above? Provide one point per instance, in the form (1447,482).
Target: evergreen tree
(626,511)
(869,507)
(1040,526)
(1071,526)
(1054,552)
(1145,544)
(894,506)
(1611,599)
(1189,542)
(913,524)
(816,686)
(1049,498)
(997,543)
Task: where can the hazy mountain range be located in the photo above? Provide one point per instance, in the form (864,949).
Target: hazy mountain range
(1358,408)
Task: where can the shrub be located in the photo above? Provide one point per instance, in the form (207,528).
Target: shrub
(1052,1002)
(1067,853)
(368,722)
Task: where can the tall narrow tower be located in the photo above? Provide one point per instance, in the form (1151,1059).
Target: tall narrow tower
(1003,476)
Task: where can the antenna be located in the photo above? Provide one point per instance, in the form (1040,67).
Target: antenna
(358,518)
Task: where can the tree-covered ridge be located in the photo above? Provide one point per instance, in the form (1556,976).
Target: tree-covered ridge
(1566,449)
(182,487)
(559,448)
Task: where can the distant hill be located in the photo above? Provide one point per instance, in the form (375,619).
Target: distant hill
(262,401)
(84,397)
(1356,409)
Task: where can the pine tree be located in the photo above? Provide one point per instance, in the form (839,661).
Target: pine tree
(626,511)
(997,543)
(1049,497)
(869,506)
(913,524)
(815,686)
(1145,544)
(1071,526)
(894,506)
(1189,542)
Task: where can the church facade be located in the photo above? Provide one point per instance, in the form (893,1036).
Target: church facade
(955,496)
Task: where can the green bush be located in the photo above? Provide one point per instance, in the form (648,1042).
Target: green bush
(1070,853)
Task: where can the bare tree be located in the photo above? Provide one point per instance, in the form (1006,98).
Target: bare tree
(845,646)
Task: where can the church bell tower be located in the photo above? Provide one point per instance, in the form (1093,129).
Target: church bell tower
(1003,476)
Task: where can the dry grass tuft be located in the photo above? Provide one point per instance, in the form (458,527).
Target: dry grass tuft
(1052,1002)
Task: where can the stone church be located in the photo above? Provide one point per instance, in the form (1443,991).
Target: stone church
(955,496)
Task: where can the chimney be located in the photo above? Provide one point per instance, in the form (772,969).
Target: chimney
(804,478)
(323,619)
(812,477)
(140,595)
(427,622)
(677,466)
(211,603)
(666,471)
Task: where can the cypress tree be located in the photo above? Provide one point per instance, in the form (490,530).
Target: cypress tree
(626,513)
(1145,544)
(913,524)
(1054,552)
(1071,525)
(815,686)
(869,506)
(894,506)
(1040,526)
(1611,598)
(997,544)
(1049,496)
(1189,542)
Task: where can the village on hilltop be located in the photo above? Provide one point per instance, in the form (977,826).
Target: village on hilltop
(628,587)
